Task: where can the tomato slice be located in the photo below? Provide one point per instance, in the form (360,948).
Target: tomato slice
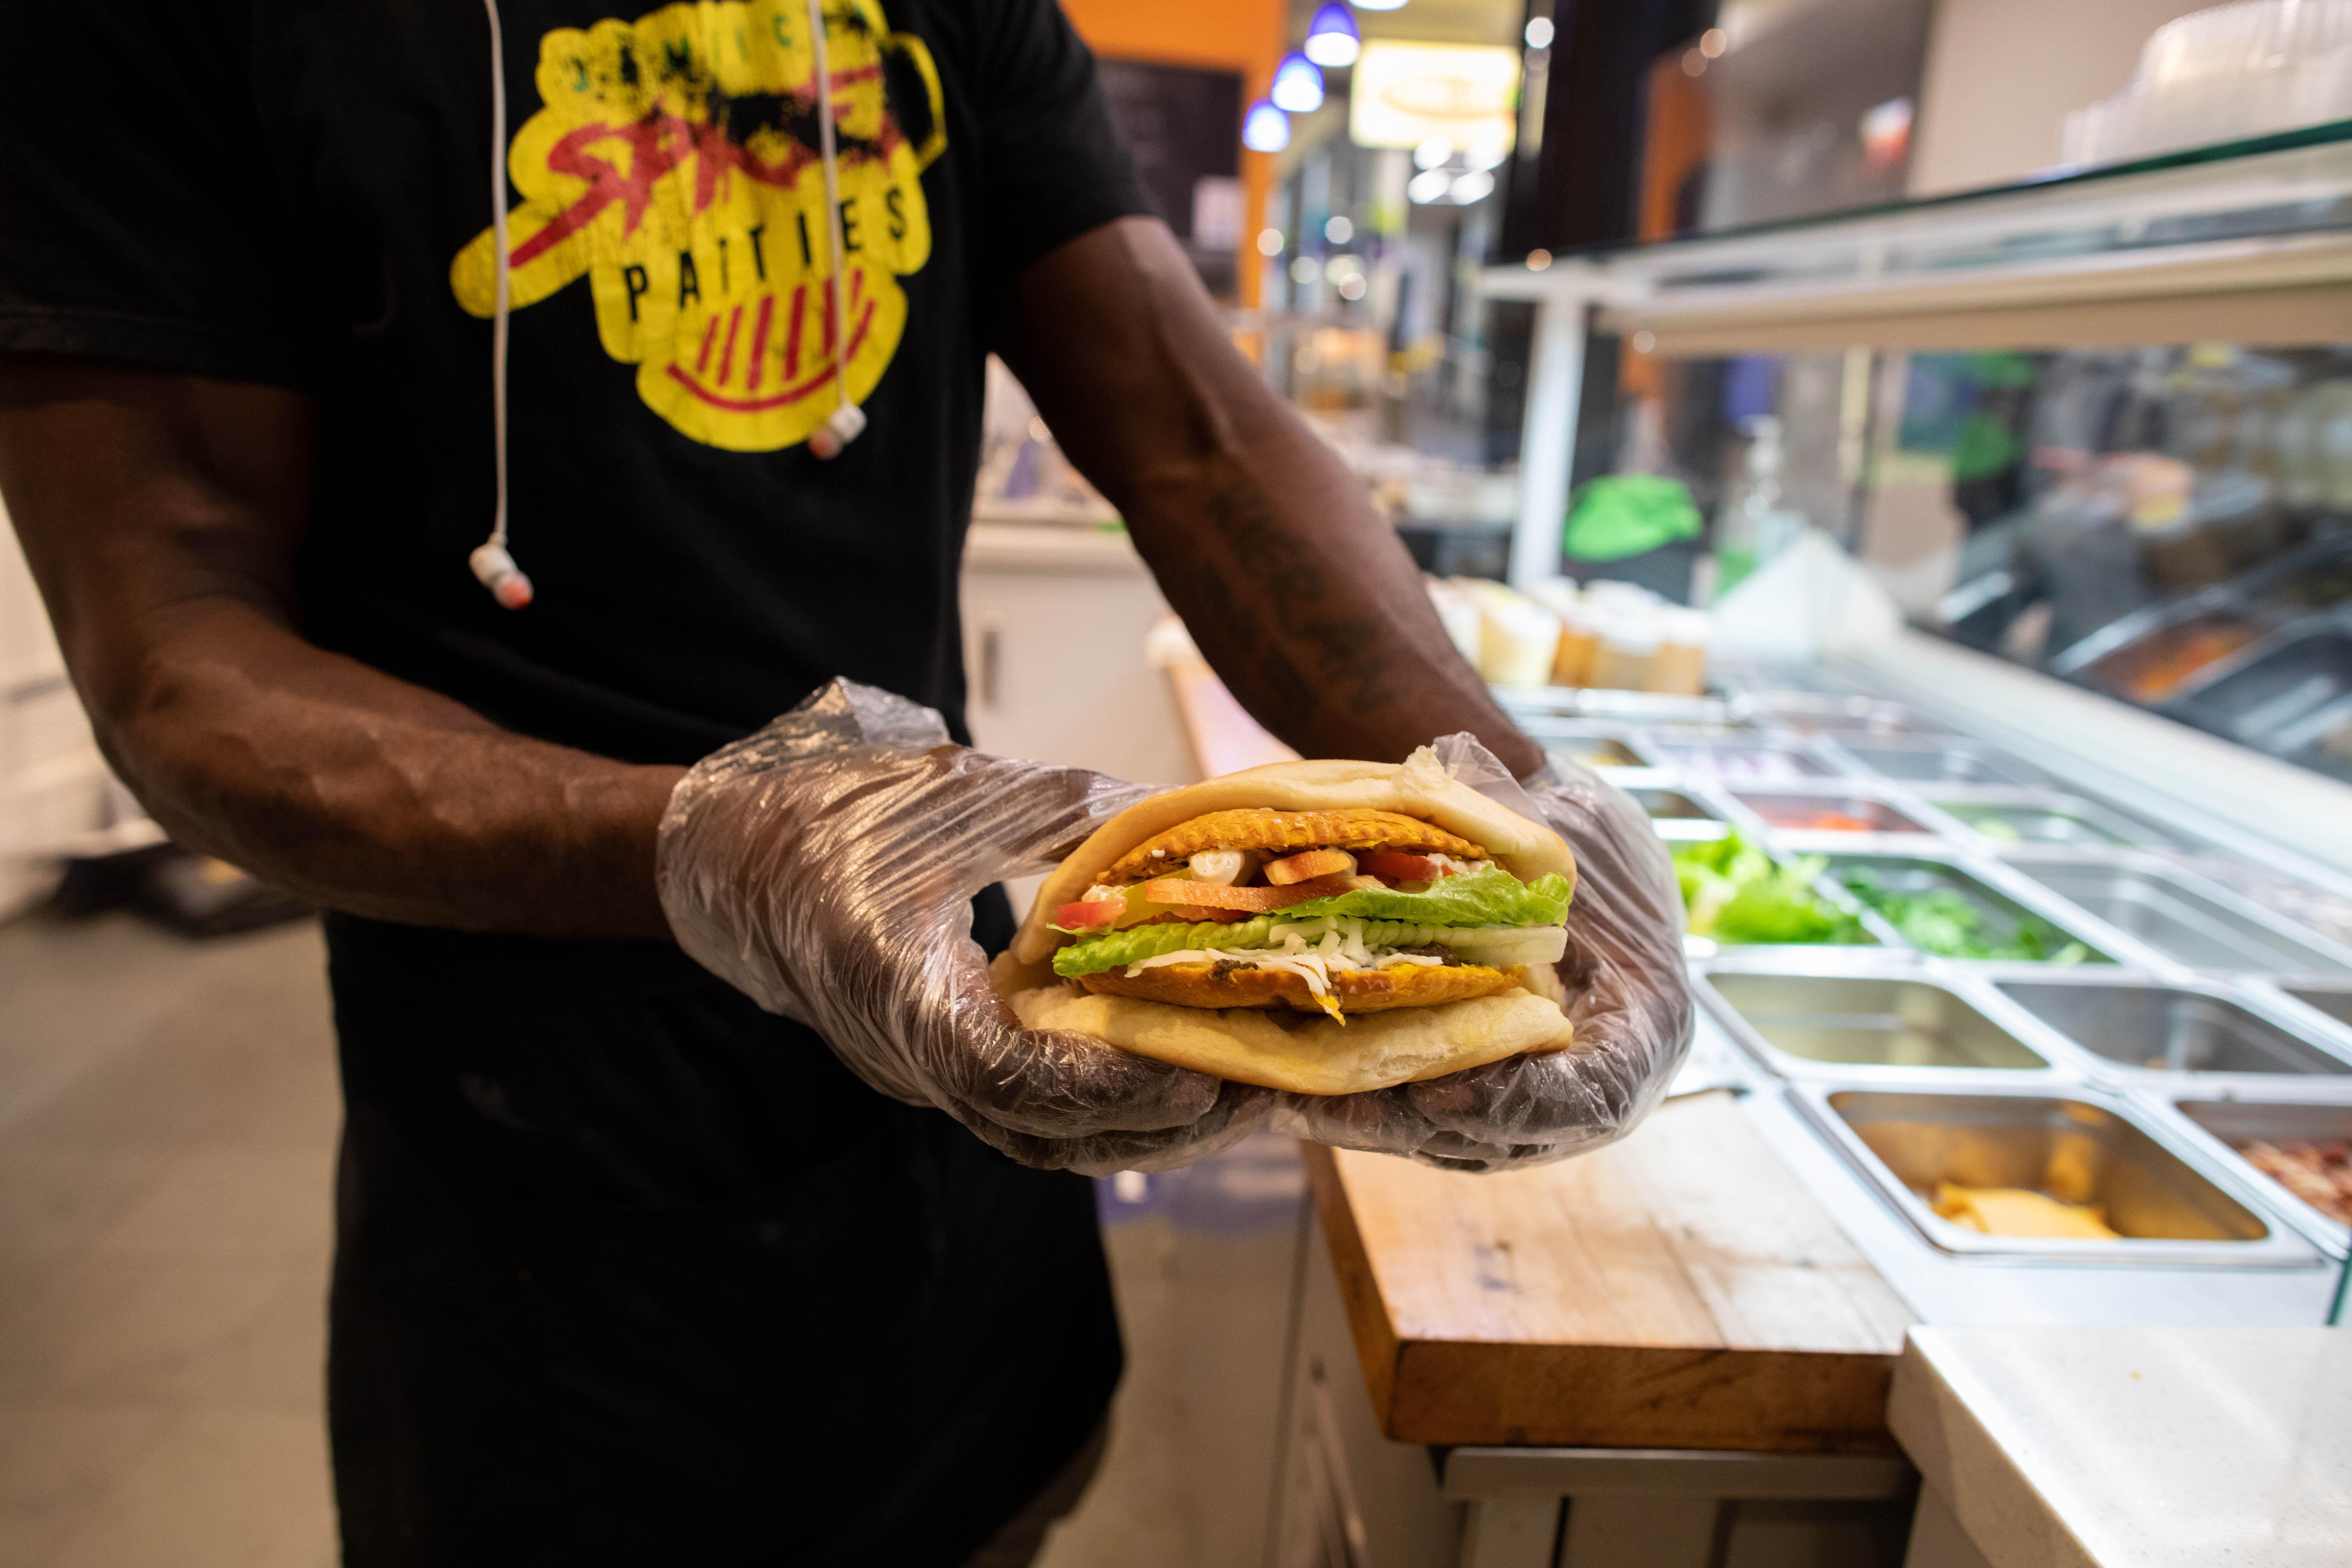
(1401,865)
(1091,914)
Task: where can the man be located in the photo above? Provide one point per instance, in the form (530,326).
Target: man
(628,1272)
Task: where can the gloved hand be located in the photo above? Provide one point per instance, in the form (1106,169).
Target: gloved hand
(1629,996)
(827,866)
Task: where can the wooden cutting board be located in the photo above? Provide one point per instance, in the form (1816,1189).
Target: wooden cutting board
(1678,1289)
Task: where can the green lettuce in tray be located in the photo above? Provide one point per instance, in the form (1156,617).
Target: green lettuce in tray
(1945,923)
(1737,894)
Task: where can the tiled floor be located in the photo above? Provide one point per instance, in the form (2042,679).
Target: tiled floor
(167,1125)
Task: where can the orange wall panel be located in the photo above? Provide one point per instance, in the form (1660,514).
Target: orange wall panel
(1247,36)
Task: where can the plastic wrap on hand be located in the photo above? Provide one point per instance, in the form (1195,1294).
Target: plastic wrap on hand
(1629,997)
(825,866)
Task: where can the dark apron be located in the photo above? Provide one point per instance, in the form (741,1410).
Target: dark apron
(630,1272)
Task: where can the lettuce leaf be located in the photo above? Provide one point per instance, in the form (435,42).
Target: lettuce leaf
(1488,896)
(1116,949)
(1736,893)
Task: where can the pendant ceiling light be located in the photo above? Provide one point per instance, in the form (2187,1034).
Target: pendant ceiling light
(1379,4)
(1332,41)
(1266,128)
(1297,85)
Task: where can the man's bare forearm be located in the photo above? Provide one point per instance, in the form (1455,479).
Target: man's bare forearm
(1315,616)
(1297,591)
(366,795)
(159,514)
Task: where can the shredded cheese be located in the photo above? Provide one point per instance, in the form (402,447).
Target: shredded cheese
(1338,945)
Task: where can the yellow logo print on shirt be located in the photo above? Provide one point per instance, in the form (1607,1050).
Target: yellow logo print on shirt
(675,163)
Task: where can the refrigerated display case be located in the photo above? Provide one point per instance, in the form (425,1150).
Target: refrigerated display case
(2086,442)
(2173,1059)
(2082,449)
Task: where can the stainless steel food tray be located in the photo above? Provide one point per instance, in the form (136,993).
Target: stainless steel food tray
(2176,1204)
(1881,936)
(2040,816)
(1812,713)
(2143,1027)
(1679,813)
(2289,694)
(1860,1018)
(1795,808)
(2004,902)
(1525,703)
(1920,761)
(1765,759)
(2183,917)
(2334,1001)
(2228,1125)
(2112,662)
(1592,744)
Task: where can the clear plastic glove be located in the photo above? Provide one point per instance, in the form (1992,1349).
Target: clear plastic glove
(1628,995)
(825,867)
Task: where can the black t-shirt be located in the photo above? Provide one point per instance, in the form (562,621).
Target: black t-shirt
(298,192)
(598,1136)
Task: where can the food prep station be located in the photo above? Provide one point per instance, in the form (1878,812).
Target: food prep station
(2186,1020)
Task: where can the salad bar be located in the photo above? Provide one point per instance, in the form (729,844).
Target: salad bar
(2042,1053)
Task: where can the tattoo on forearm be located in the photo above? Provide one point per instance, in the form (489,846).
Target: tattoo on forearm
(1352,649)
(1361,645)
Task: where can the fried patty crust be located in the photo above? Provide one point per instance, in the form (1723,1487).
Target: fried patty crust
(1260,828)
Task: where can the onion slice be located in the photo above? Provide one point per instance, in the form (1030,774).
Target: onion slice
(1308,863)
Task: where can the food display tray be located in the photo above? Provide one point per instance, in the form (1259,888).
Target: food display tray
(1590,743)
(1805,807)
(2149,1029)
(2290,695)
(2163,660)
(1859,1017)
(2334,1001)
(1813,712)
(2051,819)
(1877,934)
(2176,1205)
(1757,761)
(1529,702)
(1931,762)
(2000,900)
(2231,1124)
(2183,917)
(1678,819)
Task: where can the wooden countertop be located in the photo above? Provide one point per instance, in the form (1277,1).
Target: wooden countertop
(1677,1290)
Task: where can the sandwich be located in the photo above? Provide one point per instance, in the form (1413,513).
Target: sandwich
(1320,927)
